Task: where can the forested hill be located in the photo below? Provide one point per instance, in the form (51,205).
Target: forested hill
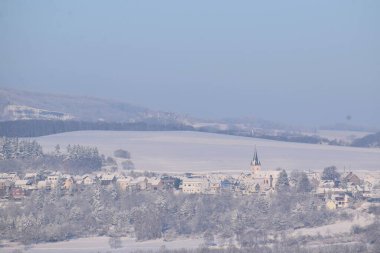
(35,128)
(371,140)
(25,105)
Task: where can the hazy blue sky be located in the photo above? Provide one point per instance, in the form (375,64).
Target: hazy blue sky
(309,62)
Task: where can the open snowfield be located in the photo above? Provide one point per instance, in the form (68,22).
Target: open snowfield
(201,152)
(342,135)
(100,244)
(340,227)
(346,136)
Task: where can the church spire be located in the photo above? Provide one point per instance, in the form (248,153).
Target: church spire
(255,160)
(255,163)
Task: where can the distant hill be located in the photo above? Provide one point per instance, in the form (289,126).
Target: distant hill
(22,105)
(26,105)
(349,127)
(30,114)
(371,140)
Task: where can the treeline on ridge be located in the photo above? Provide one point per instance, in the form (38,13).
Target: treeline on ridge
(371,140)
(35,128)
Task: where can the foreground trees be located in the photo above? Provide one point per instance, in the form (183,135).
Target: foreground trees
(56,215)
(253,222)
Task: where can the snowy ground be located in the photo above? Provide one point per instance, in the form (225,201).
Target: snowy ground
(345,136)
(341,227)
(197,152)
(100,244)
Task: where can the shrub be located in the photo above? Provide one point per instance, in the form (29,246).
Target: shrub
(120,153)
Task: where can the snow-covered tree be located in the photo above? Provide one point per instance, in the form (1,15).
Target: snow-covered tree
(303,183)
(282,181)
(330,173)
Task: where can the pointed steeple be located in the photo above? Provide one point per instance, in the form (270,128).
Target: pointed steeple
(255,163)
(255,160)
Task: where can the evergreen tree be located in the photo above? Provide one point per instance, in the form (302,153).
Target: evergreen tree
(257,188)
(282,181)
(330,173)
(9,148)
(303,183)
(97,205)
(2,156)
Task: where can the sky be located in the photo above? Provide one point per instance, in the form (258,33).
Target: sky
(296,62)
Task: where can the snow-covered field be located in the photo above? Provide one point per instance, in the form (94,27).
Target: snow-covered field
(340,227)
(100,244)
(345,136)
(201,152)
(342,135)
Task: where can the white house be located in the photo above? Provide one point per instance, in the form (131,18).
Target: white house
(123,182)
(88,180)
(194,185)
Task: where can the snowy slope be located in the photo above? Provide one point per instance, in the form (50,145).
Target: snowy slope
(17,112)
(194,151)
(15,104)
(100,244)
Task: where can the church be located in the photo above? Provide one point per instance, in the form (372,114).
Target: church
(259,180)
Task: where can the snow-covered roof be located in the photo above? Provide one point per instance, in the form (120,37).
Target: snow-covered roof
(154,181)
(8,175)
(66,176)
(30,175)
(214,181)
(22,182)
(41,183)
(55,173)
(138,180)
(108,177)
(88,176)
(124,179)
(77,178)
(194,180)
(321,190)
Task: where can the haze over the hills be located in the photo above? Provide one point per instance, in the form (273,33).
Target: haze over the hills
(297,62)
(16,105)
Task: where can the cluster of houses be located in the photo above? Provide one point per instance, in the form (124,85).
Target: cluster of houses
(12,186)
(336,194)
(341,193)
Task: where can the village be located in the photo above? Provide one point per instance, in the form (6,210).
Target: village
(334,193)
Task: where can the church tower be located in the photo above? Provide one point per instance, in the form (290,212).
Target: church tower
(255,163)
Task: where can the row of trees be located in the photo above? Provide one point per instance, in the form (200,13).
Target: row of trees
(34,128)
(22,155)
(302,182)
(81,159)
(13,148)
